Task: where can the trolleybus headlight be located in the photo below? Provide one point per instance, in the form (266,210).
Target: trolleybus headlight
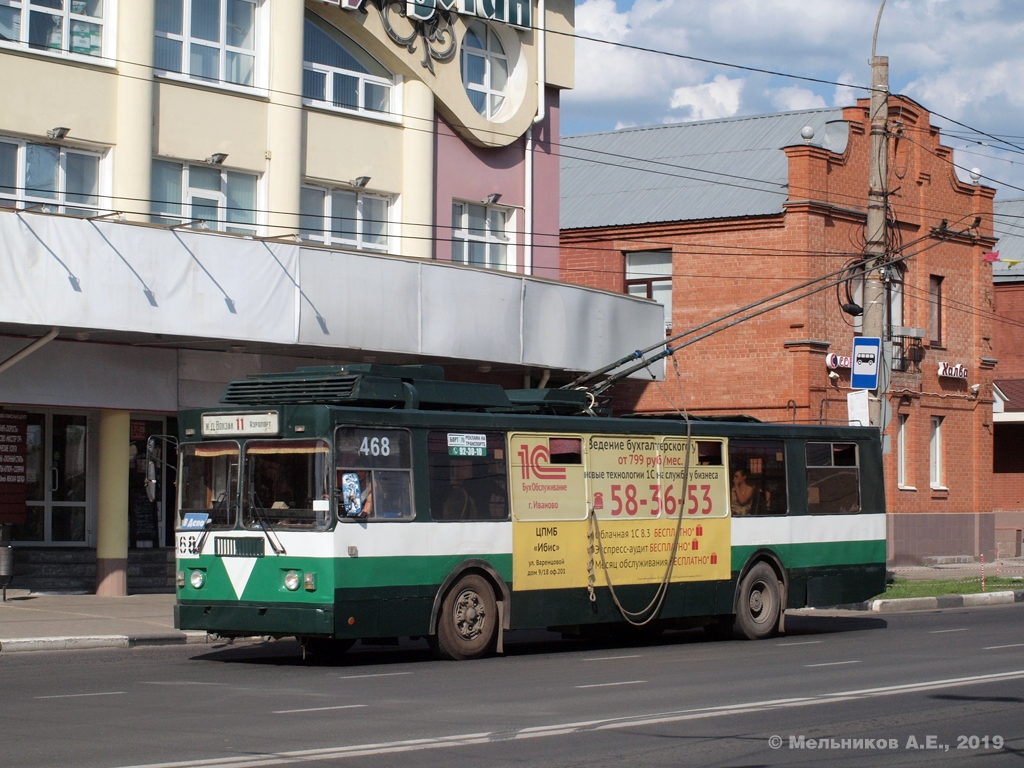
(179,578)
(292,580)
(197,579)
(309,580)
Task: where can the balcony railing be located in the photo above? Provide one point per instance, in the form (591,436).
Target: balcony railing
(907,354)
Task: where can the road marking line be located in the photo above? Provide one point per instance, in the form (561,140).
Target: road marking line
(382,674)
(804,642)
(176,682)
(317,709)
(832,664)
(414,745)
(997,647)
(80,695)
(615,658)
(605,685)
(942,631)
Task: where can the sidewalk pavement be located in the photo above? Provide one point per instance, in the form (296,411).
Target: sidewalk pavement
(53,622)
(32,621)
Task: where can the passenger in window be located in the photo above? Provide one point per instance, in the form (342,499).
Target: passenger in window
(496,495)
(459,505)
(366,493)
(747,498)
(743,493)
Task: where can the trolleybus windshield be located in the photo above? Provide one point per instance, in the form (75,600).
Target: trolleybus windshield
(209,482)
(287,484)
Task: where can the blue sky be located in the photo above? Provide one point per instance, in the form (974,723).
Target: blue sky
(960,58)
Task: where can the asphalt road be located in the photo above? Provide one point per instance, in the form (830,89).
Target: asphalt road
(935,688)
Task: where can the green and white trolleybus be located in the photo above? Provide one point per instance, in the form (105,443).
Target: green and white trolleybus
(375,502)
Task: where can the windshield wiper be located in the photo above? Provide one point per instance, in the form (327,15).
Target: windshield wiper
(265,525)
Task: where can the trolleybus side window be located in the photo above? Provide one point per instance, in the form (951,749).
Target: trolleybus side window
(209,482)
(758,477)
(287,484)
(374,473)
(709,453)
(833,478)
(468,475)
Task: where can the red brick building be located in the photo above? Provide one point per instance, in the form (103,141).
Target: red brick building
(1008,421)
(708,217)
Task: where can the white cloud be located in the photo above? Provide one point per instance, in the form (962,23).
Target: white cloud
(708,101)
(605,72)
(793,98)
(960,58)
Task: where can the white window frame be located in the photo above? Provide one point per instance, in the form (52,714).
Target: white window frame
(643,271)
(190,193)
(394,113)
(902,443)
(461,233)
(936,470)
(185,39)
(489,58)
(106,21)
(895,289)
(21,199)
(326,234)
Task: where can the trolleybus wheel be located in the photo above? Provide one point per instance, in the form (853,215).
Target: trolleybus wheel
(468,622)
(758,606)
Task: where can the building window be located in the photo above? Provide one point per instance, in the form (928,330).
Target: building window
(894,294)
(480,235)
(484,69)
(649,276)
(337,73)
(212,40)
(205,197)
(901,452)
(935,453)
(344,217)
(58,179)
(894,290)
(60,26)
(935,310)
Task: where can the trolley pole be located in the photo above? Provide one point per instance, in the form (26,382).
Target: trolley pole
(875,236)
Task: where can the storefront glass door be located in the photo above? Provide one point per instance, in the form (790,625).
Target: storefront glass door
(56,479)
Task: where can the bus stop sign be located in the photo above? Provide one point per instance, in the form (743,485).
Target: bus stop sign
(867,357)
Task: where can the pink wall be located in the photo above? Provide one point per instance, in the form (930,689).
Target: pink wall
(467,172)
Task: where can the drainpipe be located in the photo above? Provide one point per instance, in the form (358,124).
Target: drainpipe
(541,83)
(17,357)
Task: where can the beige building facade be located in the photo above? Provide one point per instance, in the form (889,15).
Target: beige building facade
(192,191)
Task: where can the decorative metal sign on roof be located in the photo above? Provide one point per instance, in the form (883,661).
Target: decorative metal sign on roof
(514,12)
(431,20)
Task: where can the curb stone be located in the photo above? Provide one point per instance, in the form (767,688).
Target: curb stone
(945,601)
(18,645)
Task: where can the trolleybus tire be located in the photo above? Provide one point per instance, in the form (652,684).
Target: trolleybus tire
(758,604)
(326,647)
(468,622)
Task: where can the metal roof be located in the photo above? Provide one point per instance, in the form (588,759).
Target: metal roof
(687,171)
(1009,228)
